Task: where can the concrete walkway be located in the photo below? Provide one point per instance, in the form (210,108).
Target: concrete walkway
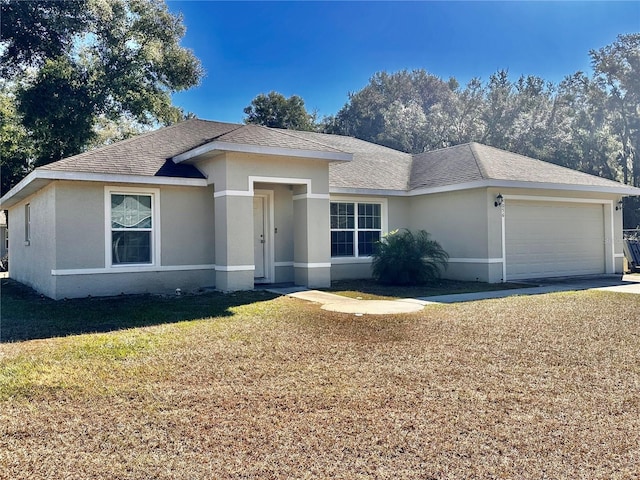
(338,303)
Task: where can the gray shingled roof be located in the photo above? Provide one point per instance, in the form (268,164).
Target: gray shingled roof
(274,137)
(373,166)
(474,162)
(149,153)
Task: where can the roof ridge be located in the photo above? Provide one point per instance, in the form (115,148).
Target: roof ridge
(450,147)
(533,159)
(238,126)
(479,164)
(286,131)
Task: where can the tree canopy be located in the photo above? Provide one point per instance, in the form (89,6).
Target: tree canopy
(277,111)
(591,123)
(70,67)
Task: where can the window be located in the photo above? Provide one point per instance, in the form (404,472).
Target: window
(131,228)
(355,228)
(27,224)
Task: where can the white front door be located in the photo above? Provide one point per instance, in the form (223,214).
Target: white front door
(259,240)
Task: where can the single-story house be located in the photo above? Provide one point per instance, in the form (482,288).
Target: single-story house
(211,204)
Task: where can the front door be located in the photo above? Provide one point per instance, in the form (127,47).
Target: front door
(259,240)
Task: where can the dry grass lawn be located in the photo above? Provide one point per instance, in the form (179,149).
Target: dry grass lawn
(527,387)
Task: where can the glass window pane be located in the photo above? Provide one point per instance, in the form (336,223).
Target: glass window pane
(131,211)
(342,215)
(342,244)
(130,247)
(366,243)
(369,215)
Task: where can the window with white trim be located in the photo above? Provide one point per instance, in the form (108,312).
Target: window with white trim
(355,228)
(131,228)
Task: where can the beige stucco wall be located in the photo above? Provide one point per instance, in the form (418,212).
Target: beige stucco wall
(457,220)
(66,256)
(80,227)
(230,171)
(186,222)
(188,225)
(111,284)
(461,222)
(32,264)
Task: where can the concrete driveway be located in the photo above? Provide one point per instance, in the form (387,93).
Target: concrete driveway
(612,283)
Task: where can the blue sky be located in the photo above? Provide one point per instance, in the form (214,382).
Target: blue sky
(321,51)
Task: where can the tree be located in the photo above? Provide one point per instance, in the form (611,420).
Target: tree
(392,110)
(75,64)
(582,134)
(16,149)
(617,73)
(276,111)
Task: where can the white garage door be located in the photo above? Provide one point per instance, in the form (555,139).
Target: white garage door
(552,239)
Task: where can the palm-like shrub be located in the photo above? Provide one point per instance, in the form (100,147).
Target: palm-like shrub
(404,258)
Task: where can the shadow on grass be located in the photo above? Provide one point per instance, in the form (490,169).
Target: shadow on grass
(25,315)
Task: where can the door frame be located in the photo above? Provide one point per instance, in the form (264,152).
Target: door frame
(269,237)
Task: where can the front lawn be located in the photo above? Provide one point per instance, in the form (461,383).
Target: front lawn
(254,386)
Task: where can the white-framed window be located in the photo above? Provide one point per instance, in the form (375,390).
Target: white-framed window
(356,226)
(27,224)
(132,226)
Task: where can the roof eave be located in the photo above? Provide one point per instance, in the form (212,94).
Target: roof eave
(38,179)
(623,190)
(620,189)
(217,146)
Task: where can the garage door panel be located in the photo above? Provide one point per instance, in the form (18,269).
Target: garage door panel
(547,239)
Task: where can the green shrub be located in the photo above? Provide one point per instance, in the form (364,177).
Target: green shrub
(404,258)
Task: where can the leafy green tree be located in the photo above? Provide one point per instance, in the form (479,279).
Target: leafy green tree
(617,73)
(16,149)
(78,63)
(405,258)
(34,31)
(392,110)
(457,118)
(582,136)
(276,111)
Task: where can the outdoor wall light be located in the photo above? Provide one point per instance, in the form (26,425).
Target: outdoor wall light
(499,200)
(619,205)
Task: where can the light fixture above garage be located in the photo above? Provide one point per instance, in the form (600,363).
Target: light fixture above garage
(499,200)
(619,205)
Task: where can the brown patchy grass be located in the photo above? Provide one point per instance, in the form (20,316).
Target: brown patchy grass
(544,386)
